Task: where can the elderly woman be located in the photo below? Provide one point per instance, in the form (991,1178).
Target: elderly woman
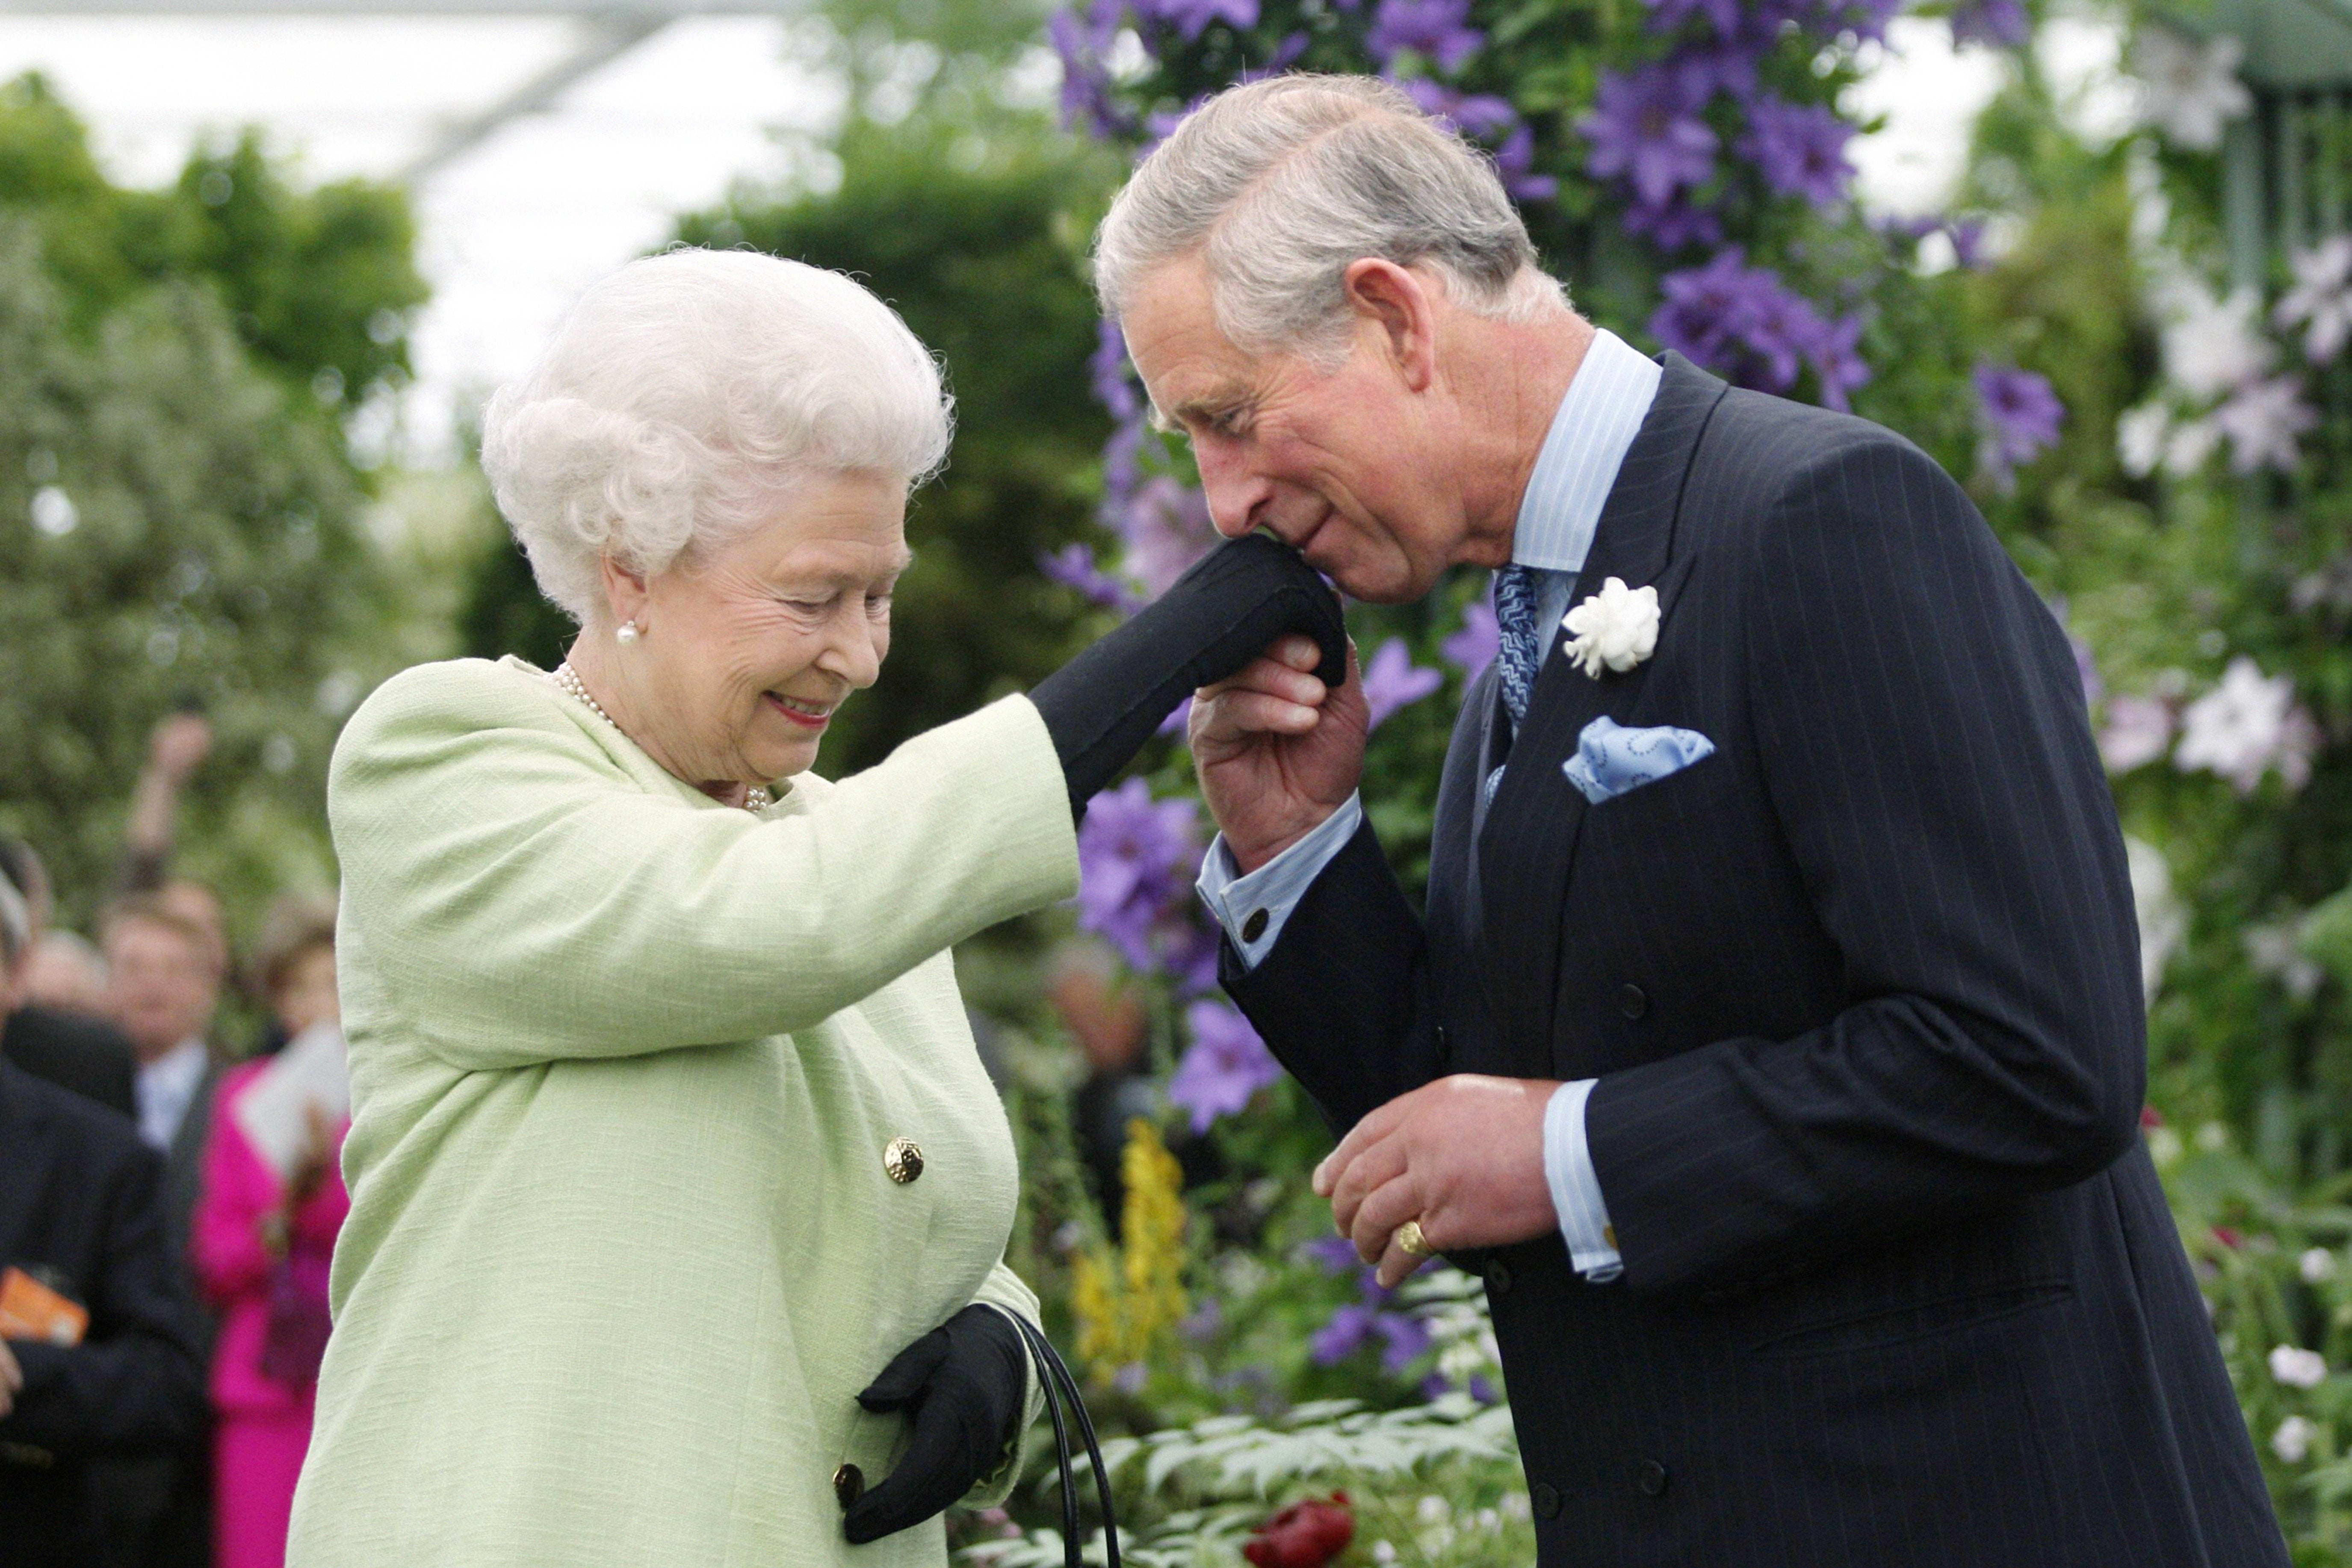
(678,1195)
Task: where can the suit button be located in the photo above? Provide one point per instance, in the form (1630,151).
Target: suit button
(1444,1044)
(1254,927)
(1545,1496)
(1632,1000)
(1651,1477)
(902,1160)
(848,1486)
(1498,1278)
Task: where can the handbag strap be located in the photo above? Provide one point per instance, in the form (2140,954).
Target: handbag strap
(1054,1377)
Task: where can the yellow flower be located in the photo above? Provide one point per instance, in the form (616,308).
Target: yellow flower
(1129,1300)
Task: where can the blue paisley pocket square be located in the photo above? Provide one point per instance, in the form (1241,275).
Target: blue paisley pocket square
(1611,758)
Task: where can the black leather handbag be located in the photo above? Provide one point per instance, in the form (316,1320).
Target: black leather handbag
(1054,1378)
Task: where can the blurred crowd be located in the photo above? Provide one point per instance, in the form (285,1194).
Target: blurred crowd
(169,1200)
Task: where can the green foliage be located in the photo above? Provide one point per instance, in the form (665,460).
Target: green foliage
(179,522)
(317,283)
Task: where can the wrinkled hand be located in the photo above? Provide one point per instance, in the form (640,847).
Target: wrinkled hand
(963,1386)
(12,1380)
(1277,751)
(179,746)
(1463,1155)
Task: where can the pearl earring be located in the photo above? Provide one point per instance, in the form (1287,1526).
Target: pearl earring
(627,634)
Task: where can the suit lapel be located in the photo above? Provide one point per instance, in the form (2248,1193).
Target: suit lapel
(1526,845)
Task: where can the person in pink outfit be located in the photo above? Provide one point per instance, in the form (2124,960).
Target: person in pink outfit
(261,1243)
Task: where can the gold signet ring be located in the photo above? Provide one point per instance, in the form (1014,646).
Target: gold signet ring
(1410,1242)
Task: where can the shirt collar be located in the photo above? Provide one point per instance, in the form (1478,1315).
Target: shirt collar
(1607,399)
(165,1087)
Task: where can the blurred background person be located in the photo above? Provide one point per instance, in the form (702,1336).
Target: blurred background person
(166,964)
(1105,1020)
(177,747)
(264,1233)
(102,1350)
(68,972)
(69,1048)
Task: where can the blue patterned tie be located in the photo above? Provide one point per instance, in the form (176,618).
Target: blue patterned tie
(1515,590)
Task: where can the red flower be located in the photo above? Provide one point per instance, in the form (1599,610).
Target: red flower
(2149,1116)
(1304,1535)
(2227,1237)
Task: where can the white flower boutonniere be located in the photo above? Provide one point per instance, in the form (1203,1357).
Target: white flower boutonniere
(1616,628)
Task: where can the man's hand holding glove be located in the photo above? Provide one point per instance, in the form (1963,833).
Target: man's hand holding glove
(1234,603)
(963,1387)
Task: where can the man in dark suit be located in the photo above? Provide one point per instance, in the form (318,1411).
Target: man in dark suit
(82,1054)
(79,1217)
(166,965)
(1772,1039)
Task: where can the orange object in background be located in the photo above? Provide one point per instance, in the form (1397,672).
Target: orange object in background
(31,1311)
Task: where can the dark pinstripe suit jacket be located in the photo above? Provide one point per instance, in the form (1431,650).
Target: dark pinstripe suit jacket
(1862,991)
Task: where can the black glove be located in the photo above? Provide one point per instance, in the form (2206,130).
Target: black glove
(1102,706)
(964,1386)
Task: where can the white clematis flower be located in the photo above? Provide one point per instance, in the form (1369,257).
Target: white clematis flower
(2321,301)
(2292,1441)
(2211,345)
(2246,726)
(2297,1367)
(2262,420)
(2189,90)
(1616,628)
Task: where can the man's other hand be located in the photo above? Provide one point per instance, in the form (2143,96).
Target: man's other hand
(1463,1155)
(1277,751)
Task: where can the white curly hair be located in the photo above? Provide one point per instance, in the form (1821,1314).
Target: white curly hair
(684,397)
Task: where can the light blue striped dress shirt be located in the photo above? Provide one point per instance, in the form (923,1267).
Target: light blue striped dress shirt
(1606,401)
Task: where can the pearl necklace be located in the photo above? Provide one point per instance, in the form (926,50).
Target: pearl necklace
(567,679)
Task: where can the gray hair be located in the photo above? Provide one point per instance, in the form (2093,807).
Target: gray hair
(684,397)
(15,926)
(1282,184)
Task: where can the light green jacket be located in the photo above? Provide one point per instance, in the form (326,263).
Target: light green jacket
(622,1249)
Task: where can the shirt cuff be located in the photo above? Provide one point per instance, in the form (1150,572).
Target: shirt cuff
(1254,908)
(1576,1188)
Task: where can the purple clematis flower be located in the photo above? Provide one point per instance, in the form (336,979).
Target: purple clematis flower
(1391,680)
(1645,129)
(1408,1339)
(1675,226)
(1337,1340)
(1108,366)
(1998,24)
(1480,116)
(1799,148)
(1473,647)
(2021,416)
(1744,322)
(1225,1066)
(1191,18)
(1837,361)
(1968,242)
(1167,528)
(1088,103)
(1728,68)
(1122,461)
(1723,15)
(1136,857)
(1514,163)
(1337,1254)
(1074,566)
(1437,30)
